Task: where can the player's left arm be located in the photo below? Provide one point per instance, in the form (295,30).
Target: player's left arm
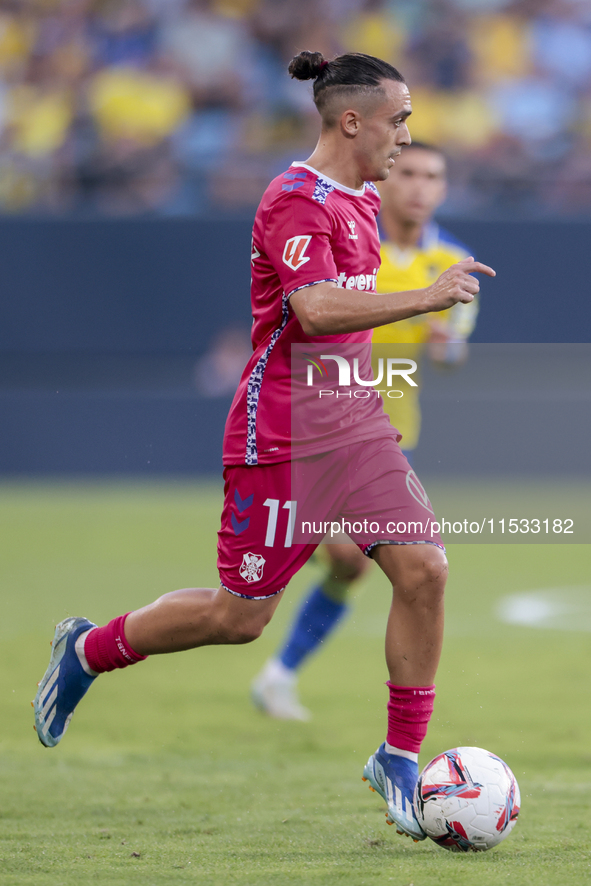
(324,309)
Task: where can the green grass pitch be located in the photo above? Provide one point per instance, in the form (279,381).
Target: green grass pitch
(168,775)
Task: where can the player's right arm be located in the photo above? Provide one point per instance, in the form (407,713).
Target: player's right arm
(324,309)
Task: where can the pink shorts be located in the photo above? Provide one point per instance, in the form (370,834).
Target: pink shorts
(275,516)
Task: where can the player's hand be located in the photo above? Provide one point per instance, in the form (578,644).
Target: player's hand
(456,285)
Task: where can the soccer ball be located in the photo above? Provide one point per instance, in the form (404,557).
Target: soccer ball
(467,800)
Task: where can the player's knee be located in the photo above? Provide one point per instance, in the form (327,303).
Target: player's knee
(427,587)
(245,633)
(350,564)
(238,631)
(353,570)
(421,574)
(434,568)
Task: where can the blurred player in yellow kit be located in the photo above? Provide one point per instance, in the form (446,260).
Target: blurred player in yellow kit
(414,252)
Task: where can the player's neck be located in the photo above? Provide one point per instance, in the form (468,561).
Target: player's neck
(405,235)
(335,164)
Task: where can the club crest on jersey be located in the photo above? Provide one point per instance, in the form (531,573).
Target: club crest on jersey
(294,254)
(252,567)
(352,235)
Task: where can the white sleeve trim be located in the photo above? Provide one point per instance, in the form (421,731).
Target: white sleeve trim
(313,283)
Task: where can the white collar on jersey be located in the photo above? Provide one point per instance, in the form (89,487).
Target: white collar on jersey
(332,182)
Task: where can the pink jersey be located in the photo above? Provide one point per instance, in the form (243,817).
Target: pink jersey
(308,229)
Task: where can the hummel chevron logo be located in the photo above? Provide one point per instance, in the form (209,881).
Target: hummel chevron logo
(242,503)
(237,526)
(290,176)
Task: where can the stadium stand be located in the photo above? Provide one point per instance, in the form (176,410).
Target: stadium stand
(182,107)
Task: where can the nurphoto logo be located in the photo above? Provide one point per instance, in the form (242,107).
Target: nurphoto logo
(393,368)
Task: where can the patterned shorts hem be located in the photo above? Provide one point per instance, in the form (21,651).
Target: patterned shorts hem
(248,596)
(367,551)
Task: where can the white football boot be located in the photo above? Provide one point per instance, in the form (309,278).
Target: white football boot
(274,691)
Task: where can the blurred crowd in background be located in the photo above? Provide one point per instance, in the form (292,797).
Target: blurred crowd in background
(184,107)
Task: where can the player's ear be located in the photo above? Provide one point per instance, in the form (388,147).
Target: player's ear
(350,123)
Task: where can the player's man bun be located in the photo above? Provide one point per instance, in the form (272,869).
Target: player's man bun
(349,75)
(307,65)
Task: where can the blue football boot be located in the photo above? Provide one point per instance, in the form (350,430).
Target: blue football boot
(395,779)
(64,683)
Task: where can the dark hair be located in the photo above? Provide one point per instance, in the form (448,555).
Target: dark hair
(349,74)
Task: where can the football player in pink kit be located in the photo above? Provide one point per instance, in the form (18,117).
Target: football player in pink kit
(315,254)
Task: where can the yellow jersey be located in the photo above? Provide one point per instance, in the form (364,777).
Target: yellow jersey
(416,268)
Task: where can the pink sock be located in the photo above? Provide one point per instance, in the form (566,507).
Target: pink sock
(409,712)
(107,648)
